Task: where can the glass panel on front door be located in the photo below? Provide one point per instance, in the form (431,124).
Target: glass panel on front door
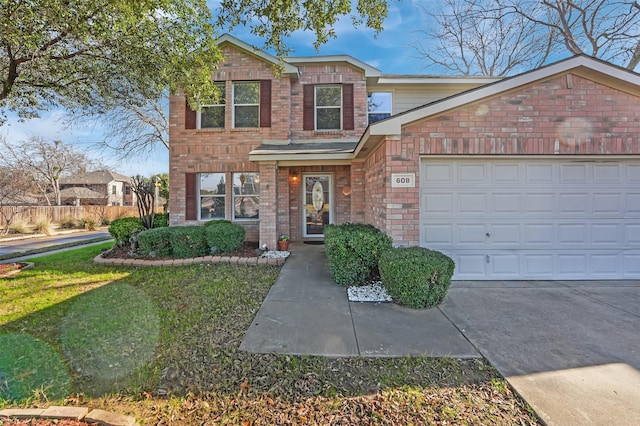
(317,203)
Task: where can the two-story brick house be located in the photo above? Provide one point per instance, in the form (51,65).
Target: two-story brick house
(536,176)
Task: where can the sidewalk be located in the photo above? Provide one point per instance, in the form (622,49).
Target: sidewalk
(306,313)
(569,348)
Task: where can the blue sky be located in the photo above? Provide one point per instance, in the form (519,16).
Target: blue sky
(390,51)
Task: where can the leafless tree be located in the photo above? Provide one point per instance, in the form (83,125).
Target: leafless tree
(472,37)
(44,162)
(496,38)
(132,128)
(14,194)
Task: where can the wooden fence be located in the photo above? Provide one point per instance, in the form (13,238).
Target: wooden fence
(57,214)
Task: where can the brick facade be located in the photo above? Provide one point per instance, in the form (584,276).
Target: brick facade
(558,114)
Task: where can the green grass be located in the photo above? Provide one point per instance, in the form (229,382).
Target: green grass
(161,344)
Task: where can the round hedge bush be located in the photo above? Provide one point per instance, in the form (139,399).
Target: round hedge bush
(415,276)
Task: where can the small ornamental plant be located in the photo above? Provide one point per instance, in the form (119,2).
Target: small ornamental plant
(283,237)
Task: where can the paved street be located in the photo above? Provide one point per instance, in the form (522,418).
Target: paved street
(24,245)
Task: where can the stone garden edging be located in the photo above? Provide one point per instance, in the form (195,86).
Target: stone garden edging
(83,414)
(232,260)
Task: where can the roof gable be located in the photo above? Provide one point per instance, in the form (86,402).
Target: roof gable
(229,39)
(582,65)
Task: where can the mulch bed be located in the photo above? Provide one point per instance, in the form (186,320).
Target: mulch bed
(8,269)
(248,250)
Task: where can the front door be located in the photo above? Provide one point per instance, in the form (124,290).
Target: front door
(317,201)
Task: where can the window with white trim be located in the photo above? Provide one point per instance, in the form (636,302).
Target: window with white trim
(246,104)
(379,106)
(212,191)
(211,115)
(246,196)
(328,107)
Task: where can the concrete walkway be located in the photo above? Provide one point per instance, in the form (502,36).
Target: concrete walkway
(571,349)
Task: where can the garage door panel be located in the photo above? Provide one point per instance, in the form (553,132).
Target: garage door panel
(537,265)
(471,235)
(572,204)
(472,173)
(604,265)
(607,173)
(539,174)
(540,203)
(632,234)
(507,203)
(471,204)
(572,266)
(505,265)
(434,203)
(506,173)
(438,234)
(573,173)
(631,265)
(469,265)
(505,235)
(539,234)
(605,234)
(633,173)
(607,203)
(633,204)
(534,219)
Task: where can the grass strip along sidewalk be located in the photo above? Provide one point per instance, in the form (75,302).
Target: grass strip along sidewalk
(161,345)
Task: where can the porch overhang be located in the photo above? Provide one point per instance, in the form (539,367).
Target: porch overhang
(306,153)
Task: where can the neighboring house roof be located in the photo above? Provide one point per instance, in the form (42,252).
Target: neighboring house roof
(227,38)
(582,65)
(99,177)
(79,192)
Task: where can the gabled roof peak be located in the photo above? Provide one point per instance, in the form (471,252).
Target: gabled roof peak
(228,38)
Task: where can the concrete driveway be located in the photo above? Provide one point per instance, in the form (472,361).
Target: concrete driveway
(571,349)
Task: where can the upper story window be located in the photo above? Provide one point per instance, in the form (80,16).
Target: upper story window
(246,104)
(328,106)
(379,106)
(114,189)
(212,114)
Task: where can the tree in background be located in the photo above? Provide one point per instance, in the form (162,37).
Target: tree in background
(137,120)
(15,191)
(44,163)
(94,55)
(161,181)
(496,38)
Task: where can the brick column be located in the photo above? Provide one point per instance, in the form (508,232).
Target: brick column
(268,204)
(357,192)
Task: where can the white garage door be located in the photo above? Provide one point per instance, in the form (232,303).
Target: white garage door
(533,219)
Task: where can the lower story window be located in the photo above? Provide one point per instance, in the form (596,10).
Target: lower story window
(212,192)
(246,195)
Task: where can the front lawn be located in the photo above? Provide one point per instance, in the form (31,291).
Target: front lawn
(161,344)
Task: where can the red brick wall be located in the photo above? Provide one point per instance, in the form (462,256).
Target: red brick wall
(225,150)
(565,115)
(329,74)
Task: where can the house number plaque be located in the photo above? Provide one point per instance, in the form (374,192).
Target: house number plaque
(403,180)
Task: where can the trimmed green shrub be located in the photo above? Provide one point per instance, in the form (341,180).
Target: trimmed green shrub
(187,241)
(227,237)
(161,220)
(215,222)
(122,229)
(353,251)
(157,239)
(415,276)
